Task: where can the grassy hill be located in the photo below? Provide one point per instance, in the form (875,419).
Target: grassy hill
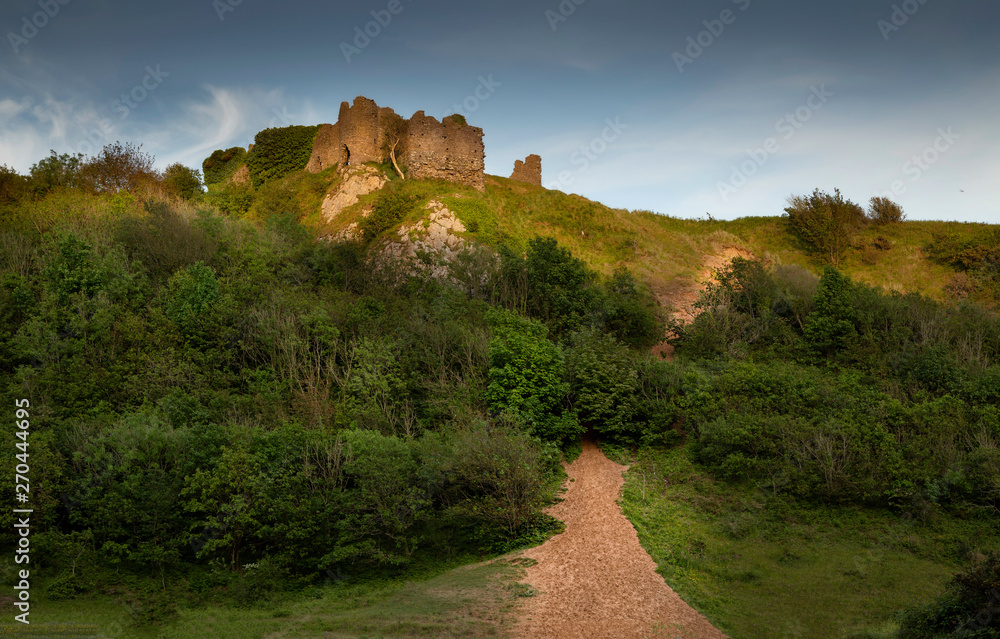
(198,351)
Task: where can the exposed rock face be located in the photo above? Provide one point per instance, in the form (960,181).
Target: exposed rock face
(430,244)
(529,171)
(358,181)
(445,150)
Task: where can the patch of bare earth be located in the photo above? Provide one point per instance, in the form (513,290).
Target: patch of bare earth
(595,580)
(683,296)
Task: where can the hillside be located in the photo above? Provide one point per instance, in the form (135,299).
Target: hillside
(302,385)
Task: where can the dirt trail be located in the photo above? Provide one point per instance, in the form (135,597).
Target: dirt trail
(595,580)
(682,299)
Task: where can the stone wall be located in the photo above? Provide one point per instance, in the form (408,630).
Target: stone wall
(529,171)
(326,148)
(445,150)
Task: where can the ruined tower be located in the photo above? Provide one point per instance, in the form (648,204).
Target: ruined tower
(529,171)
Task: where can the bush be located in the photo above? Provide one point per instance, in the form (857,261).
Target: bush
(825,222)
(497,481)
(390,208)
(279,151)
(970,607)
(882,210)
(527,377)
(181,181)
(119,168)
(221,165)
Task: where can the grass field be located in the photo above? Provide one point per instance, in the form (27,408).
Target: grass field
(475,600)
(760,568)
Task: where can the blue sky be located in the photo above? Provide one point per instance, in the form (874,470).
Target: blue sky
(683,108)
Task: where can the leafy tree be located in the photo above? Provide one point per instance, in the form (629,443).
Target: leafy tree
(527,377)
(387,503)
(826,223)
(119,168)
(630,315)
(882,210)
(560,287)
(13,186)
(394,145)
(181,181)
(55,171)
(830,328)
(603,383)
(496,479)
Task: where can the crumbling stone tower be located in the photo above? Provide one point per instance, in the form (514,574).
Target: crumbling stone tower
(447,150)
(529,171)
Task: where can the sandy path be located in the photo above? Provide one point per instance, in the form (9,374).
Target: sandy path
(682,299)
(595,580)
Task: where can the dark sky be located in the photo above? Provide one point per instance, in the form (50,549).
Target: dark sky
(726,107)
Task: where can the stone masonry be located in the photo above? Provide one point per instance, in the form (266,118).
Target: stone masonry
(529,171)
(446,150)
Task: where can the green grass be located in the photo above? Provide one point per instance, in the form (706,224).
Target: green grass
(476,600)
(761,568)
(663,251)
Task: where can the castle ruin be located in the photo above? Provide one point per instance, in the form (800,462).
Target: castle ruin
(529,171)
(426,148)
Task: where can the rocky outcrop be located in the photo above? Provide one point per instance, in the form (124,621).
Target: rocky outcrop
(358,181)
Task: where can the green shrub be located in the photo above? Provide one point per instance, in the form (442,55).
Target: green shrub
(497,481)
(603,383)
(390,208)
(279,151)
(221,165)
(826,223)
(182,182)
(527,377)
(882,210)
(970,607)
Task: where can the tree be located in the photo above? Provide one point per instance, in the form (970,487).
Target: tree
(55,171)
(826,222)
(528,377)
(13,186)
(119,168)
(830,328)
(182,181)
(395,141)
(882,210)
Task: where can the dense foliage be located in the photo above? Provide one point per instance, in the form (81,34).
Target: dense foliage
(222,164)
(277,152)
(217,402)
